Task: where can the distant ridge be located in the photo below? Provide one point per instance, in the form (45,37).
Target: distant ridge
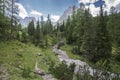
(24,22)
(68,12)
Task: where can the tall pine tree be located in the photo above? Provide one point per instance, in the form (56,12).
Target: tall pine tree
(103,45)
(31,28)
(88,38)
(37,34)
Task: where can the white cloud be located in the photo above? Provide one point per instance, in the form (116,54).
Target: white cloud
(110,3)
(55,18)
(45,18)
(37,13)
(84,1)
(87,1)
(95,10)
(22,11)
(93,1)
(34,13)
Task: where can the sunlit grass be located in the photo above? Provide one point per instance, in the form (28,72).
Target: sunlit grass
(14,54)
(68,49)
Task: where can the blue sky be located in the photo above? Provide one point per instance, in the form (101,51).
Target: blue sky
(56,8)
(36,8)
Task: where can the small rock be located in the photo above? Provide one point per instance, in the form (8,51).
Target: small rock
(39,54)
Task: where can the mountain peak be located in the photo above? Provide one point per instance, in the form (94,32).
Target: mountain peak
(67,12)
(26,21)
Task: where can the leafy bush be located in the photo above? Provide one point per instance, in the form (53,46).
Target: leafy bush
(118,54)
(62,71)
(26,73)
(75,50)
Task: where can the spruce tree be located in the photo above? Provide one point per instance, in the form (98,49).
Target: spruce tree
(31,28)
(114,31)
(4,27)
(78,30)
(70,27)
(31,31)
(103,45)
(13,10)
(58,31)
(62,29)
(42,24)
(10,8)
(48,29)
(49,25)
(88,38)
(68,30)
(37,34)
(67,27)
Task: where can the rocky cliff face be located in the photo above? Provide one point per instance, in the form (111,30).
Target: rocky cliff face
(24,22)
(67,13)
(118,7)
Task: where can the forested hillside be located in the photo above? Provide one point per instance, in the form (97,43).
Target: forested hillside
(94,38)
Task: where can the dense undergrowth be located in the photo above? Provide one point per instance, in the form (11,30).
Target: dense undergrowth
(114,64)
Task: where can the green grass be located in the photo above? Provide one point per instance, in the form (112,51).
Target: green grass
(68,49)
(46,58)
(15,53)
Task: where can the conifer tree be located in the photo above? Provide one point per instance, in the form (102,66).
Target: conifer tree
(49,25)
(13,9)
(4,27)
(103,45)
(31,28)
(78,30)
(48,29)
(10,8)
(41,28)
(88,38)
(68,32)
(57,30)
(37,34)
